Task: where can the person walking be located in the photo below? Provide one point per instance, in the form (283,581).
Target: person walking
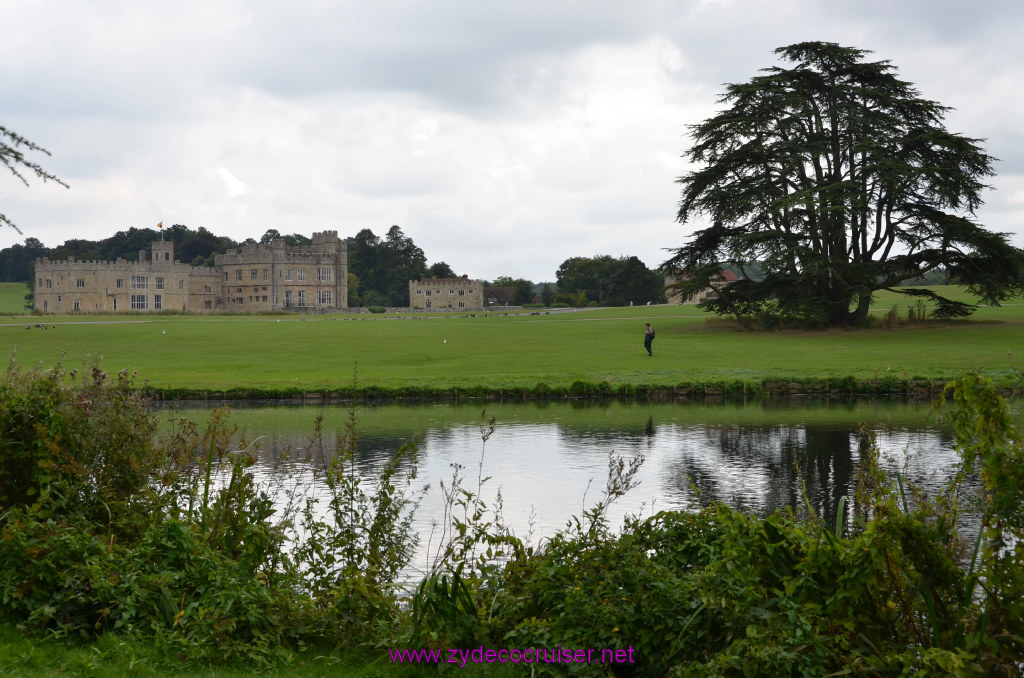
(649,339)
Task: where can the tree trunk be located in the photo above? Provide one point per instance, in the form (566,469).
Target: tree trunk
(860,314)
(839,307)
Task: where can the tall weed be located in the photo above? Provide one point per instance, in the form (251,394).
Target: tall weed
(354,541)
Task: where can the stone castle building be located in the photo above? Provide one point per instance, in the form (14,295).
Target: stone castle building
(446,293)
(253,278)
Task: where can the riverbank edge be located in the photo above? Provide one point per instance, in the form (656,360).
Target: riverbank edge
(765,388)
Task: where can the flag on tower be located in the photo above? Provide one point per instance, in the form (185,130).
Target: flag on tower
(160,225)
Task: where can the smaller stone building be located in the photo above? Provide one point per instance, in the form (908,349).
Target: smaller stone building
(446,293)
(719,280)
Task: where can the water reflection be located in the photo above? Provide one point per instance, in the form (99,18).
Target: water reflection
(550,461)
(769,468)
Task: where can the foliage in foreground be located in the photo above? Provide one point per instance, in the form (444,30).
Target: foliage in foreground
(898,588)
(13,150)
(105,529)
(106,534)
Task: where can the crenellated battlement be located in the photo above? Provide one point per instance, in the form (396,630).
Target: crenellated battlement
(250,278)
(72,264)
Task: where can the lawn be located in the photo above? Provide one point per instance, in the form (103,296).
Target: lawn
(506,351)
(12,298)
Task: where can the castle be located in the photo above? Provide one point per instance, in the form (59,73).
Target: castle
(254,278)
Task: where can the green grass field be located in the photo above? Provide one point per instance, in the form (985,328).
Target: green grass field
(500,351)
(12,298)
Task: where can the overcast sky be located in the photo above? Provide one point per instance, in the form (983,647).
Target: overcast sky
(503,137)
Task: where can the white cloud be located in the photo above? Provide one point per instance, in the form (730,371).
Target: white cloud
(502,138)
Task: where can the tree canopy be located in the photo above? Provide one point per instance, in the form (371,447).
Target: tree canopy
(12,155)
(441,270)
(522,289)
(383,267)
(838,179)
(609,281)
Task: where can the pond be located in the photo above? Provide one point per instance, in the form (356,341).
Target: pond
(550,460)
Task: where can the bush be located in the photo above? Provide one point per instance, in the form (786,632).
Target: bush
(81,438)
(105,528)
(718,592)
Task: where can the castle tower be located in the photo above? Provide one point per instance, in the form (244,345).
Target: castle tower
(163,252)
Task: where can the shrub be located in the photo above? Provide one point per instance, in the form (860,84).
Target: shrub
(356,541)
(105,528)
(80,437)
(719,593)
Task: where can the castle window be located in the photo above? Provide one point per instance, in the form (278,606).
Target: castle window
(264,298)
(225,276)
(207,289)
(323,297)
(302,297)
(181,284)
(140,282)
(208,304)
(324,274)
(287,297)
(120,283)
(238,274)
(302,273)
(115,303)
(74,305)
(252,273)
(139,302)
(462,293)
(428,293)
(49,283)
(265,274)
(255,289)
(59,298)
(158,282)
(80,282)
(287,274)
(158,302)
(419,291)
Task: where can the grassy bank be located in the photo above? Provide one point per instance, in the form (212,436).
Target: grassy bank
(111,656)
(546,354)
